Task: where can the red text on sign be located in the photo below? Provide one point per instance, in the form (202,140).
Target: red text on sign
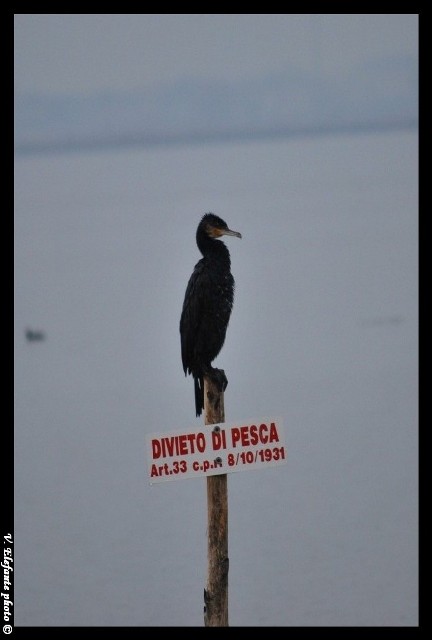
(251,435)
(178,445)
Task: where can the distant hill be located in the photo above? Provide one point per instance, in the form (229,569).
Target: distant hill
(381,93)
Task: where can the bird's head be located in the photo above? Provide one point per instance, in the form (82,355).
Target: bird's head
(215,227)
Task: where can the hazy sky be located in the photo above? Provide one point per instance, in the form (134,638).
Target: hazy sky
(92,52)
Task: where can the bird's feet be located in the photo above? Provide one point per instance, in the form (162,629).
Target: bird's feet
(218,378)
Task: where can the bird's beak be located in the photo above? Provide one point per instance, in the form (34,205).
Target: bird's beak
(228,232)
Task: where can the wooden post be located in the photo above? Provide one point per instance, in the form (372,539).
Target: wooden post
(216,591)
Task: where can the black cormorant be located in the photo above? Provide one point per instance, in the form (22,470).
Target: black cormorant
(207,306)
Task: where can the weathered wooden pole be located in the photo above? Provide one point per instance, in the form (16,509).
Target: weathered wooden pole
(216,590)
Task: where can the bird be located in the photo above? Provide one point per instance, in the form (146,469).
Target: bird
(33,335)
(207,307)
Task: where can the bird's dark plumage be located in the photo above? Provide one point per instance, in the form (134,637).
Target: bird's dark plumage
(207,306)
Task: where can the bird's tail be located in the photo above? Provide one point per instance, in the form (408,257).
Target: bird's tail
(199,394)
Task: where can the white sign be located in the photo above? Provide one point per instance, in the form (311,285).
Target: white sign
(216,449)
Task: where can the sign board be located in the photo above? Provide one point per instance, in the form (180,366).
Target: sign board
(216,449)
